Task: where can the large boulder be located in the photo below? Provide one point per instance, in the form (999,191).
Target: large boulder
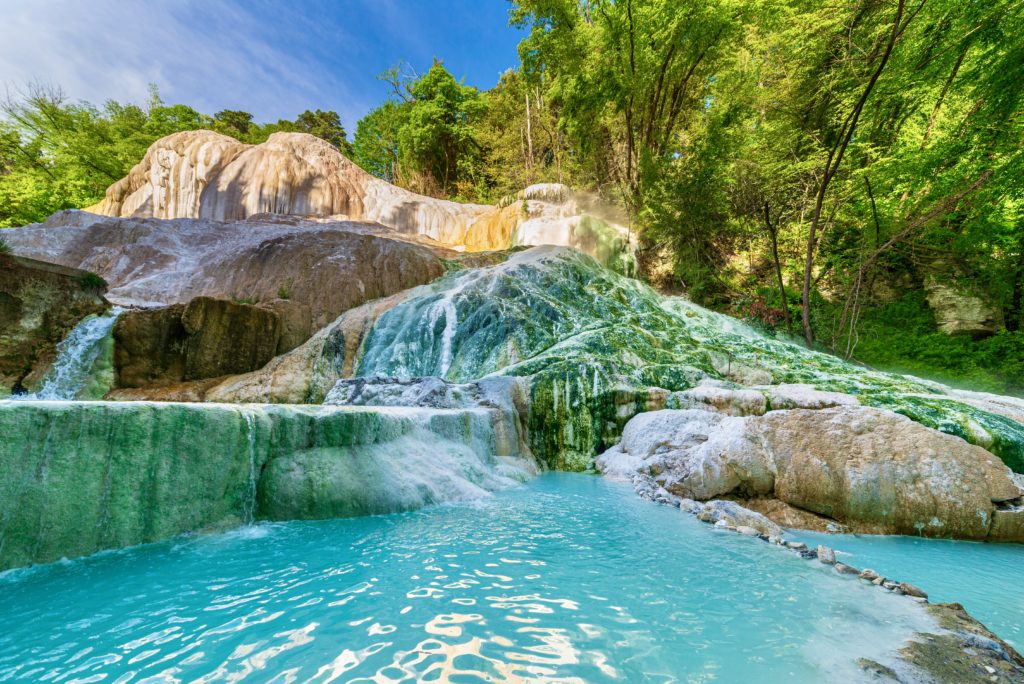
(327,266)
(206,338)
(40,303)
(868,469)
(960,312)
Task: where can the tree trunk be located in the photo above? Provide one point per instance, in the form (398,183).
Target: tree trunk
(835,159)
(773,235)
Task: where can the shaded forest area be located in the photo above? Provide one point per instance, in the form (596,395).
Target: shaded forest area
(836,171)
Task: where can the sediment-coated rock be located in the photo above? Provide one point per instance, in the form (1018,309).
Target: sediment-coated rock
(857,465)
(83,476)
(201,174)
(329,266)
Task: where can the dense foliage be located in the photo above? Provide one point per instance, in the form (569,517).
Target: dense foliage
(56,154)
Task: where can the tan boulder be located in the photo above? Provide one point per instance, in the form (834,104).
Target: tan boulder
(870,470)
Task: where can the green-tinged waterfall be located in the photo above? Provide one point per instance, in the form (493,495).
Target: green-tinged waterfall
(85,476)
(593,343)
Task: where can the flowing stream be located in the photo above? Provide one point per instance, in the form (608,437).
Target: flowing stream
(569,578)
(76,356)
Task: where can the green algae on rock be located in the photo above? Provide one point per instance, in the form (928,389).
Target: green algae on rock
(86,476)
(593,343)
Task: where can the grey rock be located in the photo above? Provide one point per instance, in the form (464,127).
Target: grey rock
(826,555)
(911,590)
(844,569)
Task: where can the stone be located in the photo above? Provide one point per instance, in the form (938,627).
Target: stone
(878,581)
(226,338)
(296,323)
(958,311)
(796,546)
(207,338)
(871,470)
(747,531)
(844,569)
(40,303)
(327,265)
(149,347)
(826,555)
(802,396)
(868,574)
(726,401)
(206,175)
(911,590)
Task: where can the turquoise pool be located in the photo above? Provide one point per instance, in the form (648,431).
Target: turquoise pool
(569,578)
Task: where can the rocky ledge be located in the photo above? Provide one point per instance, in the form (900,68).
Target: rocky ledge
(837,467)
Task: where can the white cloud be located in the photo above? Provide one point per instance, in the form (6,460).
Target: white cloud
(211,55)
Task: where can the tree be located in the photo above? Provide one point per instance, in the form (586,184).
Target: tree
(233,122)
(326,126)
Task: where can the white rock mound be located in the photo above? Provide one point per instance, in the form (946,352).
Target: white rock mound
(871,470)
(206,175)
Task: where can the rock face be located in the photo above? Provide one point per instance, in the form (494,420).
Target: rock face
(111,474)
(869,469)
(958,312)
(325,266)
(201,174)
(206,338)
(39,305)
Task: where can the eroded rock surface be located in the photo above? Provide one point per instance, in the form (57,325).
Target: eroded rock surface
(328,266)
(206,338)
(40,303)
(869,469)
(202,174)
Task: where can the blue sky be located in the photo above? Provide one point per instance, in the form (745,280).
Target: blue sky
(273,59)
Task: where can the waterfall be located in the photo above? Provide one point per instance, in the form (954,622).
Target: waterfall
(75,357)
(249,505)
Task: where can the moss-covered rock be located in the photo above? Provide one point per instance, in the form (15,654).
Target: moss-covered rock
(593,343)
(84,476)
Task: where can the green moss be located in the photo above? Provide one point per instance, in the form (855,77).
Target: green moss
(592,343)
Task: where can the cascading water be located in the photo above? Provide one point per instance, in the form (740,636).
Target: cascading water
(76,356)
(249,506)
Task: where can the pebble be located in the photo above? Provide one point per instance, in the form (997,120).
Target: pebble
(868,574)
(721,523)
(844,569)
(796,546)
(826,555)
(748,531)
